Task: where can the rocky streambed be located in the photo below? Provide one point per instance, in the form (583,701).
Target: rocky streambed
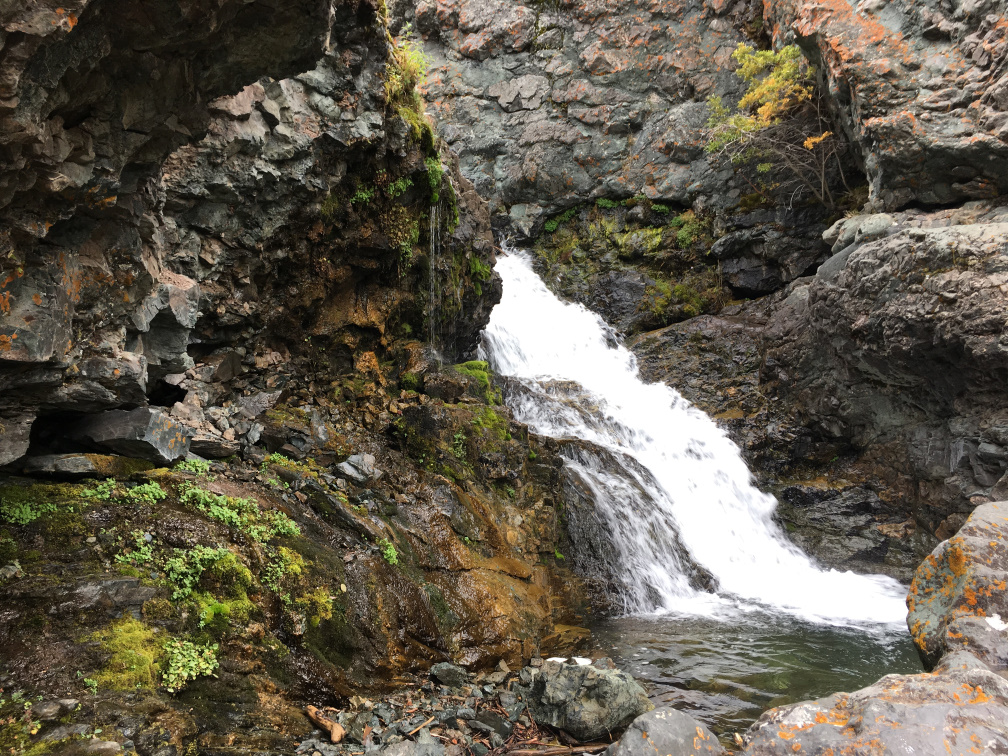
(956,603)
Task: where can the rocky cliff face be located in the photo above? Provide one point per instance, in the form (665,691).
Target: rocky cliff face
(922,89)
(896,346)
(163,201)
(227,229)
(551,104)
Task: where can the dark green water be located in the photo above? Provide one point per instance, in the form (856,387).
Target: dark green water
(726,674)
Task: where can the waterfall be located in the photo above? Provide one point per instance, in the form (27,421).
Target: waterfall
(682,483)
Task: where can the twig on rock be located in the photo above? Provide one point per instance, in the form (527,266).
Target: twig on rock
(335,729)
(415,730)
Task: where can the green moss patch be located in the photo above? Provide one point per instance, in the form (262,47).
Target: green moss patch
(135,649)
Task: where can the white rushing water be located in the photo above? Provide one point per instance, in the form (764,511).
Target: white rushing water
(678,483)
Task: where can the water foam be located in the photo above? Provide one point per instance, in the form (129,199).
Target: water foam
(683,475)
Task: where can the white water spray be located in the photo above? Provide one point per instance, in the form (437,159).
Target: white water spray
(683,478)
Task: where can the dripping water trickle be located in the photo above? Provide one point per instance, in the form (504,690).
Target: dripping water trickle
(433,295)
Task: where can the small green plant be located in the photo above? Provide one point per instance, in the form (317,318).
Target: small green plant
(363,195)
(217,615)
(102,491)
(480,272)
(91,684)
(659,208)
(24,511)
(405,70)
(779,121)
(184,570)
(399,187)
(198,466)
(459,445)
(409,382)
(239,513)
(691,229)
(389,553)
(146,493)
(607,204)
(142,552)
(554,223)
(185,661)
(532,455)
(557,554)
(284,570)
(276,458)
(435,175)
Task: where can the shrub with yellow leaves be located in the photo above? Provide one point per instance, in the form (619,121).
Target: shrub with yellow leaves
(780,122)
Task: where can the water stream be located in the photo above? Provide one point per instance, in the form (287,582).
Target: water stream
(673,494)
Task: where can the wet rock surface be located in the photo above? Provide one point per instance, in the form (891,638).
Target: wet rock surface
(962,706)
(165,244)
(665,731)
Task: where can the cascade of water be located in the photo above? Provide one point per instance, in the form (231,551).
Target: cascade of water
(687,483)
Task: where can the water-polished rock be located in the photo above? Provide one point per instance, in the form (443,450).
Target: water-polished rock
(958,597)
(665,731)
(962,708)
(586,700)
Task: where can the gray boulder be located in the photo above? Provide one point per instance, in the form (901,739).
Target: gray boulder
(70,465)
(146,432)
(896,346)
(958,598)
(665,731)
(360,468)
(15,433)
(449,674)
(408,748)
(586,701)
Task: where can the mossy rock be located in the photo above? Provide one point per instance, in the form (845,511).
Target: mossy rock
(134,650)
(114,466)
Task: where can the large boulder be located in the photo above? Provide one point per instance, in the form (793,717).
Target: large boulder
(666,731)
(961,708)
(587,701)
(896,348)
(959,595)
(146,433)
